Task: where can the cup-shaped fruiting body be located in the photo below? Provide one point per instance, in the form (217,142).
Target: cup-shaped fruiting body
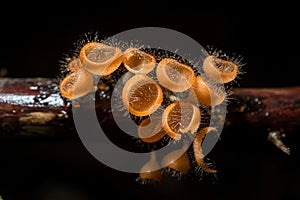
(220,70)
(142,95)
(137,61)
(77,84)
(100,59)
(178,160)
(150,130)
(147,173)
(174,75)
(190,117)
(181,117)
(74,65)
(197,148)
(207,94)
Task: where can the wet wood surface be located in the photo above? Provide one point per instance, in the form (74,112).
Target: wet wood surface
(34,107)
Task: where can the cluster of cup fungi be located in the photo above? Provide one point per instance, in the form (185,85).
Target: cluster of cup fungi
(157,83)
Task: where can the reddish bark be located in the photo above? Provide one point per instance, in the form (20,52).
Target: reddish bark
(34,106)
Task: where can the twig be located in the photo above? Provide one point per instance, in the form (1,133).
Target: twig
(34,106)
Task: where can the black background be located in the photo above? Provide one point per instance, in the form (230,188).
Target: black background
(33,41)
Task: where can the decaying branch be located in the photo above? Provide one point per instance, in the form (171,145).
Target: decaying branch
(34,106)
(273,110)
(266,108)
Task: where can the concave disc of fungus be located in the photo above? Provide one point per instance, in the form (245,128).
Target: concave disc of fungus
(174,76)
(141,95)
(137,61)
(207,94)
(100,59)
(77,84)
(181,117)
(219,70)
(150,130)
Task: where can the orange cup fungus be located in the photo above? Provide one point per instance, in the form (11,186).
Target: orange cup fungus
(220,70)
(177,160)
(100,59)
(207,94)
(77,84)
(142,95)
(137,61)
(150,130)
(181,117)
(74,65)
(174,76)
(197,148)
(147,173)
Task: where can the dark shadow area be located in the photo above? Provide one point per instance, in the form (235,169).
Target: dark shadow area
(32,45)
(249,168)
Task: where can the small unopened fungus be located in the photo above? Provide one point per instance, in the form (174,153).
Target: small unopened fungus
(178,160)
(74,65)
(151,172)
